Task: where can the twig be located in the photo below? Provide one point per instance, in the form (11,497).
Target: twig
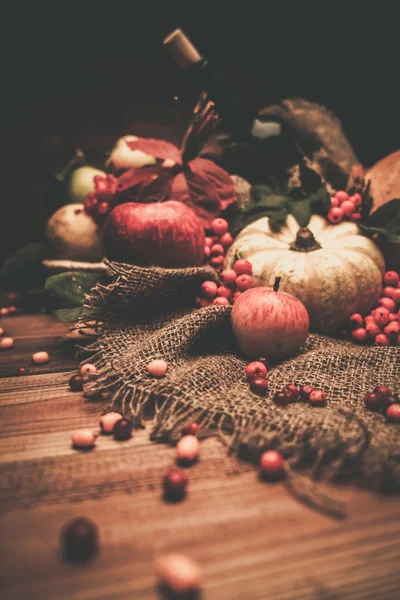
(74,265)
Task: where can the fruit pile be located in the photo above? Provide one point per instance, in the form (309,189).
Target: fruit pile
(233,283)
(99,204)
(382,325)
(383,400)
(344,206)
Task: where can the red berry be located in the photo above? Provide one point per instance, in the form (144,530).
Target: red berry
(243,267)
(219,226)
(393,413)
(201,302)
(359,335)
(220,301)
(305,391)
(387,303)
(209,289)
(175,485)
(217,261)
(356,320)
(224,292)
(369,318)
(356,217)
(335,215)
(228,276)
(235,296)
(334,202)
(91,203)
(21,371)
(392,329)
(382,392)
(259,385)
(391,278)
(103,209)
(122,430)
(357,199)
(388,291)
(209,242)
(381,316)
(292,391)
(342,196)
(372,401)
(372,329)
(272,465)
(317,398)
(396,295)
(389,400)
(79,539)
(348,207)
(191,429)
(226,240)
(217,250)
(244,282)
(207,252)
(382,340)
(393,317)
(76,383)
(281,398)
(256,369)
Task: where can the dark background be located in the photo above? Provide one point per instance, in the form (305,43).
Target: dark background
(85,74)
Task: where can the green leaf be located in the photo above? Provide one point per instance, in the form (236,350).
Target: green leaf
(64,171)
(385,221)
(72,286)
(278,218)
(69,315)
(24,257)
(301,210)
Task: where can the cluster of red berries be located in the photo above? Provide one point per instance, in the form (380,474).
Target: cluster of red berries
(383,400)
(99,204)
(382,325)
(233,283)
(218,241)
(344,206)
(292,393)
(257,373)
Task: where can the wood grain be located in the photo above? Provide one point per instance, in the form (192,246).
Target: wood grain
(253,540)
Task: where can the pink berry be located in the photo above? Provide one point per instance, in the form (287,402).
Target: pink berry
(372,329)
(209,241)
(217,261)
(175,485)
(158,367)
(83,438)
(383,392)
(342,196)
(209,289)
(369,318)
(87,369)
(335,215)
(382,340)
(6,343)
(187,449)
(359,335)
(305,391)
(244,282)
(357,199)
(221,301)
(180,575)
(317,398)
(219,226)
(292,391)
(201,302)
(207,252)
(393,317)
(104,209)
(228,276)
(256,369)
(259,385)
(391,278)
(392,329)
(226,240)
(281,398)
(356,320)
(236,296)
(356,217)
(372,401)
(217,250)
(243,267)
(224,292)
(334,202)
(40,358)
(122,430)
(191,429)
(108,421)
(381,316)
(348,207)
(387,303)
(393,413)
(272,465)
(388,291)
(396,295)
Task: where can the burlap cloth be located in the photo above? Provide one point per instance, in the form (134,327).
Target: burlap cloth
(148,314)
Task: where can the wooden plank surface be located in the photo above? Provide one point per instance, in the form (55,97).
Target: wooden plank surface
(252,540)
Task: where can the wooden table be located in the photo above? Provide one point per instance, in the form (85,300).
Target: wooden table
(252,539)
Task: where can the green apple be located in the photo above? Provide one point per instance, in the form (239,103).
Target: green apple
(81,183)
(74,235)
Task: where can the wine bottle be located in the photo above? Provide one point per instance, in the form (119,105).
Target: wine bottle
(238,116)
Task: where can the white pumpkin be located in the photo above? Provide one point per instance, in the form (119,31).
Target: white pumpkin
(332,269)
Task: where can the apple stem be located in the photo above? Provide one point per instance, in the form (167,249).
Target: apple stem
(276,284)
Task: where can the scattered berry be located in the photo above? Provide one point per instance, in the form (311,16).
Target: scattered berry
(221,301)
(175,485)
(381,316)
(305,391)
(207,252)
(219,226)
(209,242)
(40,358)
(272,465)
(209,289)
(122,430)
(334,202)
(391,278)
(191,429)
(217,250)
(335,215)
(108,421)
(226,240)
(256,369)
(387,303)
(388,291)
(79,539)
(357,199)
(76,383)
(281,398)
(392,329)
(372,329)
(356,320)
(393,413)
(157,368)
(216,261)
(393,317)
(179,574)
(372,401)
(228,276)
(259,385)
(224,292)
(244,282)
(359,335)
(382,340)
(382,392)
(6,343)
(87,369)
(83,438)
(317,398)
(187,449)
(342,196)
(292,391)
(348,207)
(396,295)
(243,267)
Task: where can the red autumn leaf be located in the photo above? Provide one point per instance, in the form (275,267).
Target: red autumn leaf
(157,148)
(218,179)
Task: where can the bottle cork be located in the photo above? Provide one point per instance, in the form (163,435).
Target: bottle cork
(181,49)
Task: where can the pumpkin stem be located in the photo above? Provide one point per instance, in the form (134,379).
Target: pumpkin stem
(276,284)
(305,241)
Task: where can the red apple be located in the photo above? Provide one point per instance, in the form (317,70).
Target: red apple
(166,234)
(269,323)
